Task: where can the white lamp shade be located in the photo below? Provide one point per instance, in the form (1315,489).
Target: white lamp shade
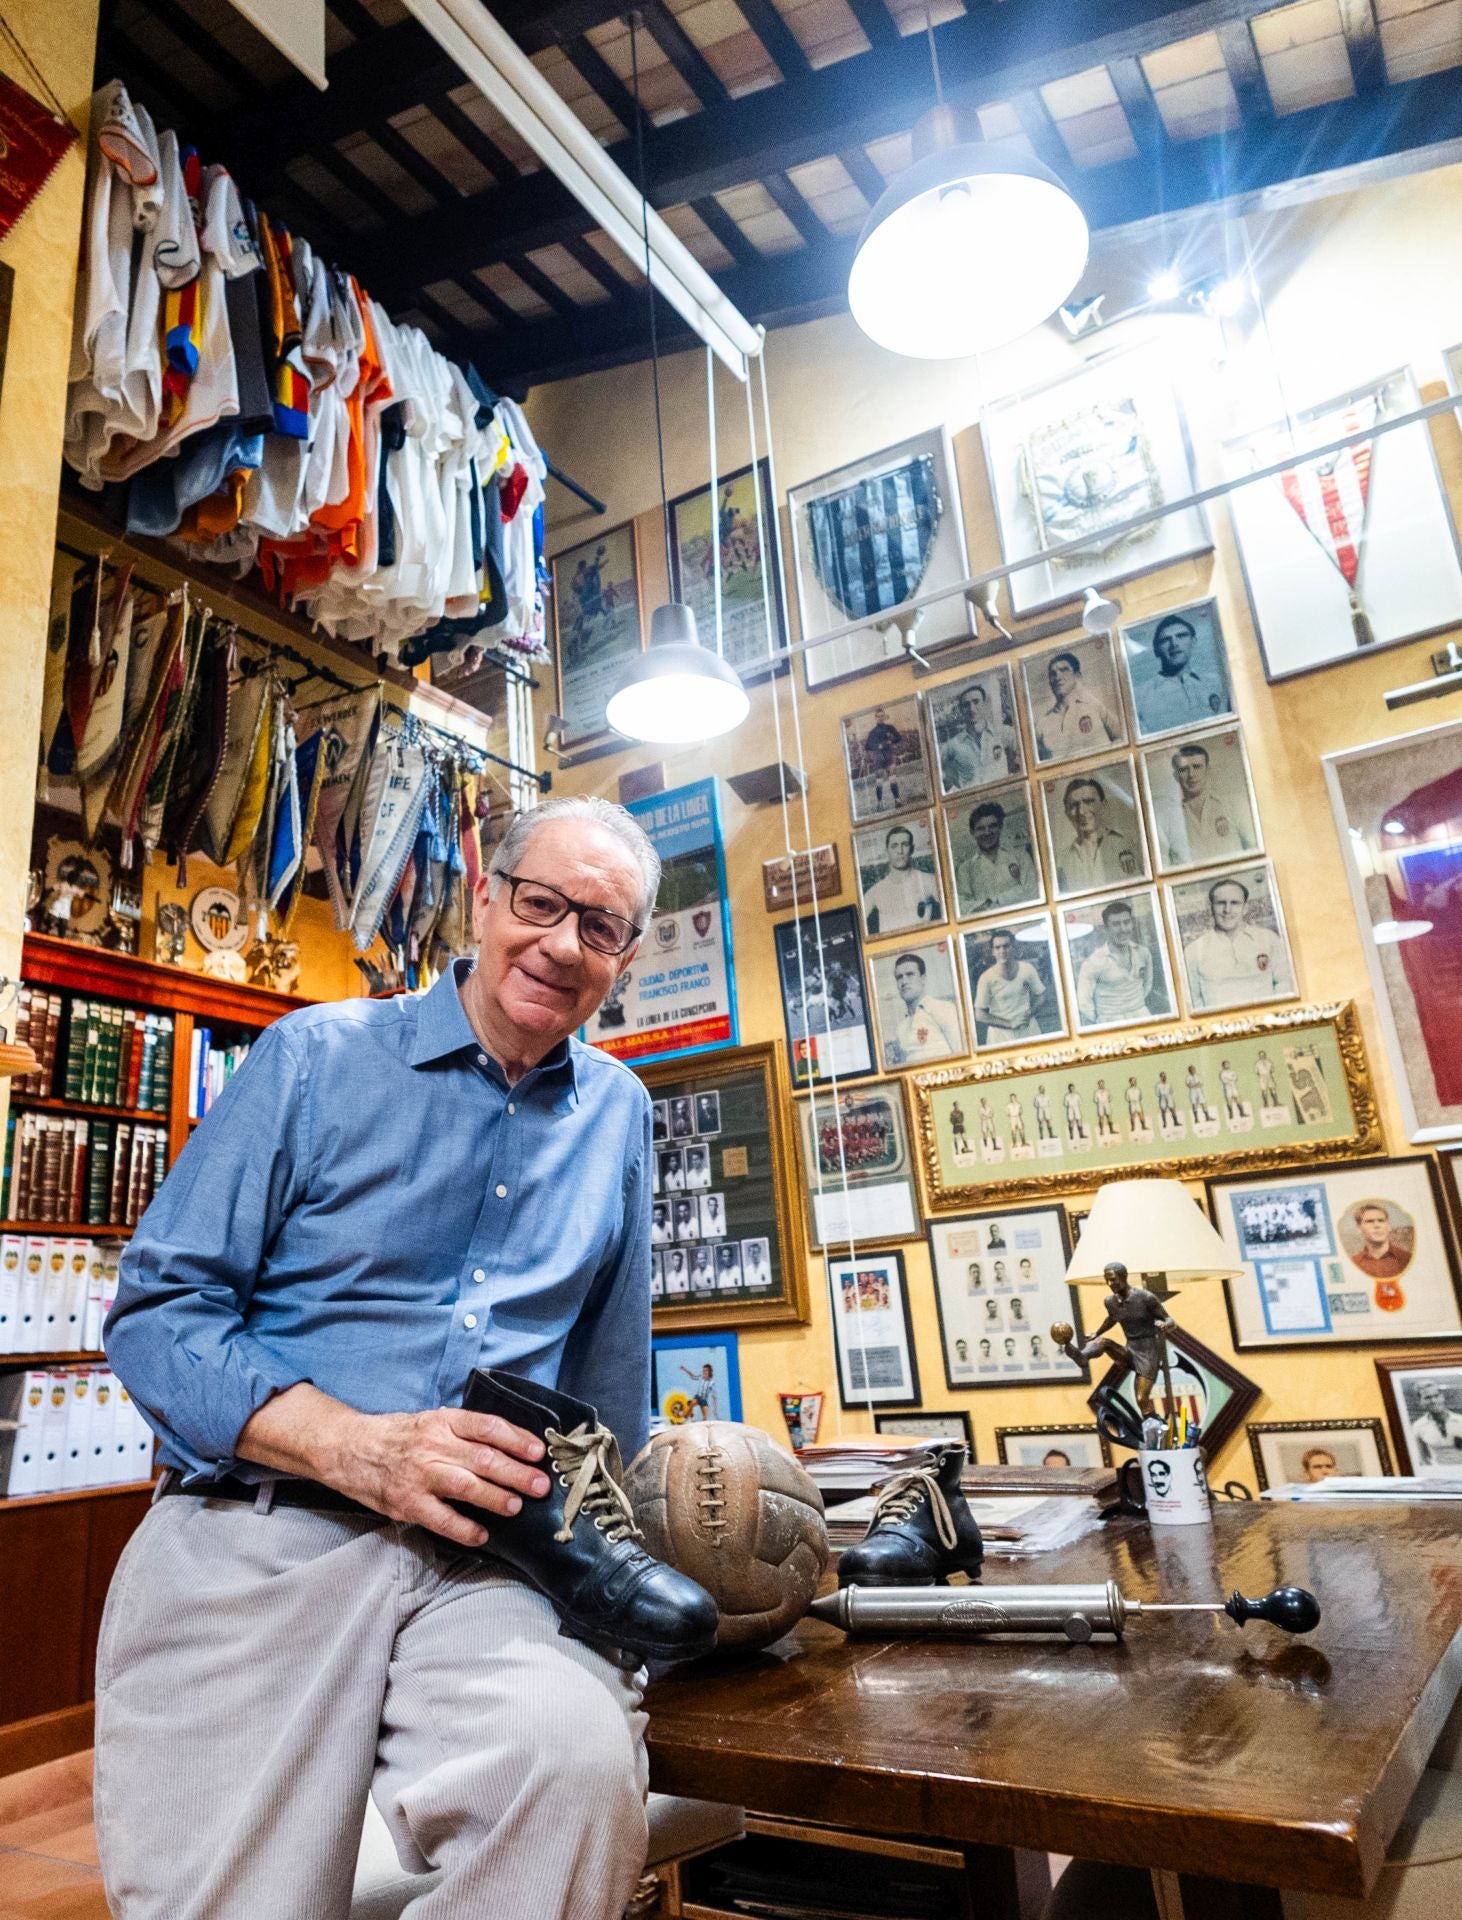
(969,248)
(1099,615)
(1150,1226)
(678,691)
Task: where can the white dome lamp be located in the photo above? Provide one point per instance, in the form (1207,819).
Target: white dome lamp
(925,280)
(677,691)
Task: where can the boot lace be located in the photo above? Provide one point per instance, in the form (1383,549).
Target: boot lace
(898,1499)
(587,1461)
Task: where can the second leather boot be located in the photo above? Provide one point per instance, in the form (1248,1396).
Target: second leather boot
(922,1529)
(578,1545)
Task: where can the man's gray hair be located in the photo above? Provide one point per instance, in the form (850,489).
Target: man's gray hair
(595,812)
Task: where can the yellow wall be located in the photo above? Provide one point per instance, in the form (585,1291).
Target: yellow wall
(1354,286)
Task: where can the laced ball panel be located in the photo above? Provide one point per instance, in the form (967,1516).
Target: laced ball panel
(726,1505)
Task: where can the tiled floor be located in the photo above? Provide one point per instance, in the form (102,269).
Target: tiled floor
(48,1867)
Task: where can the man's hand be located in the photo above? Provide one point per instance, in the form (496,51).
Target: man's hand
(407,1466)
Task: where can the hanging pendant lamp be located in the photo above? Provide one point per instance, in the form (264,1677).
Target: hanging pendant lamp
(969,248)
(677,691)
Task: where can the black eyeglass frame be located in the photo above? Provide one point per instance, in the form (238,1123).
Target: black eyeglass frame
(576,907)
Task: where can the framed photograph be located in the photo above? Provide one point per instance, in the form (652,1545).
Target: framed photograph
(1058,1447)
(999,1283)
(1200,799)
(1449,1168)
(1237,1096)
(1080,458)
(1118,961)
(1013,982)
(886,759)
(974,730)
(725,1217)
(1302,1453)
(873,1332)
(899,884)
(1073,701)
(1210,1389)
(597,627)
(1423,1397)
(869,538)
(993,861)
(954,1425)
(1229,937)
(1094,828)
(1398,812)
(1353,551)
(920,1014)
(798,880)
(1177,670)
(1339,1255)
(750,582)
(695,1376)
(857,1167)
(824,1005)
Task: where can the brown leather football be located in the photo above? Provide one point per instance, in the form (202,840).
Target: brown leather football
(725,1504)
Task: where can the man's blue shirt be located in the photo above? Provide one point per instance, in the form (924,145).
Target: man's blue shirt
(370,1207)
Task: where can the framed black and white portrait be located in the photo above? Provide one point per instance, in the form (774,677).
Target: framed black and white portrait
(1230,939)
(1177,670)
(975,734)
(1200,799)
(993,862)
(917,1001)
(1073,700)
(1094,827)
(1117,960)
(899,885)
(1014,982)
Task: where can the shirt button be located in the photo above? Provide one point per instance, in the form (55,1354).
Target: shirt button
(470,1321)
(478,1275)
(502,1193)
(511,1107)
(482,1059)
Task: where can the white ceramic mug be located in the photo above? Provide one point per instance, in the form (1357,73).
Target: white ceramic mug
(1175,1487)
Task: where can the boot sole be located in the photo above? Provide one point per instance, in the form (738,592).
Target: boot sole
(629,1658)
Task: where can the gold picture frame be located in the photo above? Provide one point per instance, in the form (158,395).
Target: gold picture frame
(1207,1122)
(717,1073)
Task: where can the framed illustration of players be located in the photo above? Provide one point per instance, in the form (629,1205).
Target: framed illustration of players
(1304,1453)
(1423,1399)
(974,731)
(1354,549)
(1177,670)
(1081,459)
(824,1000)
(999,1284)
(1398,815)
(869,538)
(917,1000)
(1339,1255)
(597,627)
(858,1170)
(873,1332)
(1200,799)
(1230,939)
(887,760)
(750,583)
(726,1236)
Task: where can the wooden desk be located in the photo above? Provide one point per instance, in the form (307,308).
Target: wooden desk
(1215,1754)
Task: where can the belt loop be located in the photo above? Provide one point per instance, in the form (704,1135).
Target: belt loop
(164,1484)
(264,1498)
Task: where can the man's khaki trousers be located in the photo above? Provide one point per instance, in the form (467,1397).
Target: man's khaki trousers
(260,1673)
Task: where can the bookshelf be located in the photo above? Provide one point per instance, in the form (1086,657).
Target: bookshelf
(58,1550)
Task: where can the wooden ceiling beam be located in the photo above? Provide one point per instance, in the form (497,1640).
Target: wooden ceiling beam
(1363,44)
(683,54)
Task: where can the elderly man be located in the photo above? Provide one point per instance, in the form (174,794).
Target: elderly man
(390,1195)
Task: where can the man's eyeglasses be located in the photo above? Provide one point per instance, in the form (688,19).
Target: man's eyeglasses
(540,905)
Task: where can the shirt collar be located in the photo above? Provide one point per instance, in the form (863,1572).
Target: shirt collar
(442,1026)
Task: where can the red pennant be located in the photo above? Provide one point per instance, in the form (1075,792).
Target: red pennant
(32,140)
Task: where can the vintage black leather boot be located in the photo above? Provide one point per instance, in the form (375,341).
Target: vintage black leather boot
(578,1544)
(922,1529)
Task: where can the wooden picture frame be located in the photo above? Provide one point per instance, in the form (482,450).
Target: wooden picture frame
(1003,1435)
(1330,1108)
(876,1285)
(1408,1435)
(754,1076)
(1259,1430)
(954,1425)
(572,632)
(1190,1359)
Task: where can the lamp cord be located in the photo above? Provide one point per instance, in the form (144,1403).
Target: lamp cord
(634,62)
(933,54)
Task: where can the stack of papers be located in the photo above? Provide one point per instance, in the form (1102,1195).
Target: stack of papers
(1009,1524)
(1363,1487)
(842,1468)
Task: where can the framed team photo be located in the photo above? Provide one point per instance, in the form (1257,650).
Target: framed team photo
(1013,982)
(999,1284)
(993,863)
(1073,700)
(1177,670)
(974,730)
(1117,961)
(866,540)
(1057,1449)
(1229,938)
(824,1005)
(1302,1453)
(1200,800)
(857,1168)
(1423,1399)
(917,1000)
(887,760)
(954,1425)
(1094,828)
(1078,460)
(1350,552)
(1340,1255)
(873,1331)
(899,884)
(597,627)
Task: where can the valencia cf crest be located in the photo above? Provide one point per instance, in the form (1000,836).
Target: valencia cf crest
(1263,963)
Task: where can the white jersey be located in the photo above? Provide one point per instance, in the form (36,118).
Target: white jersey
(1209,828)
(979,759)
(1009,1005)
(902,899)
(1233,969)
(929,1030)
(1082,725)
(1109,988)
(1106,861)
(1002,879)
